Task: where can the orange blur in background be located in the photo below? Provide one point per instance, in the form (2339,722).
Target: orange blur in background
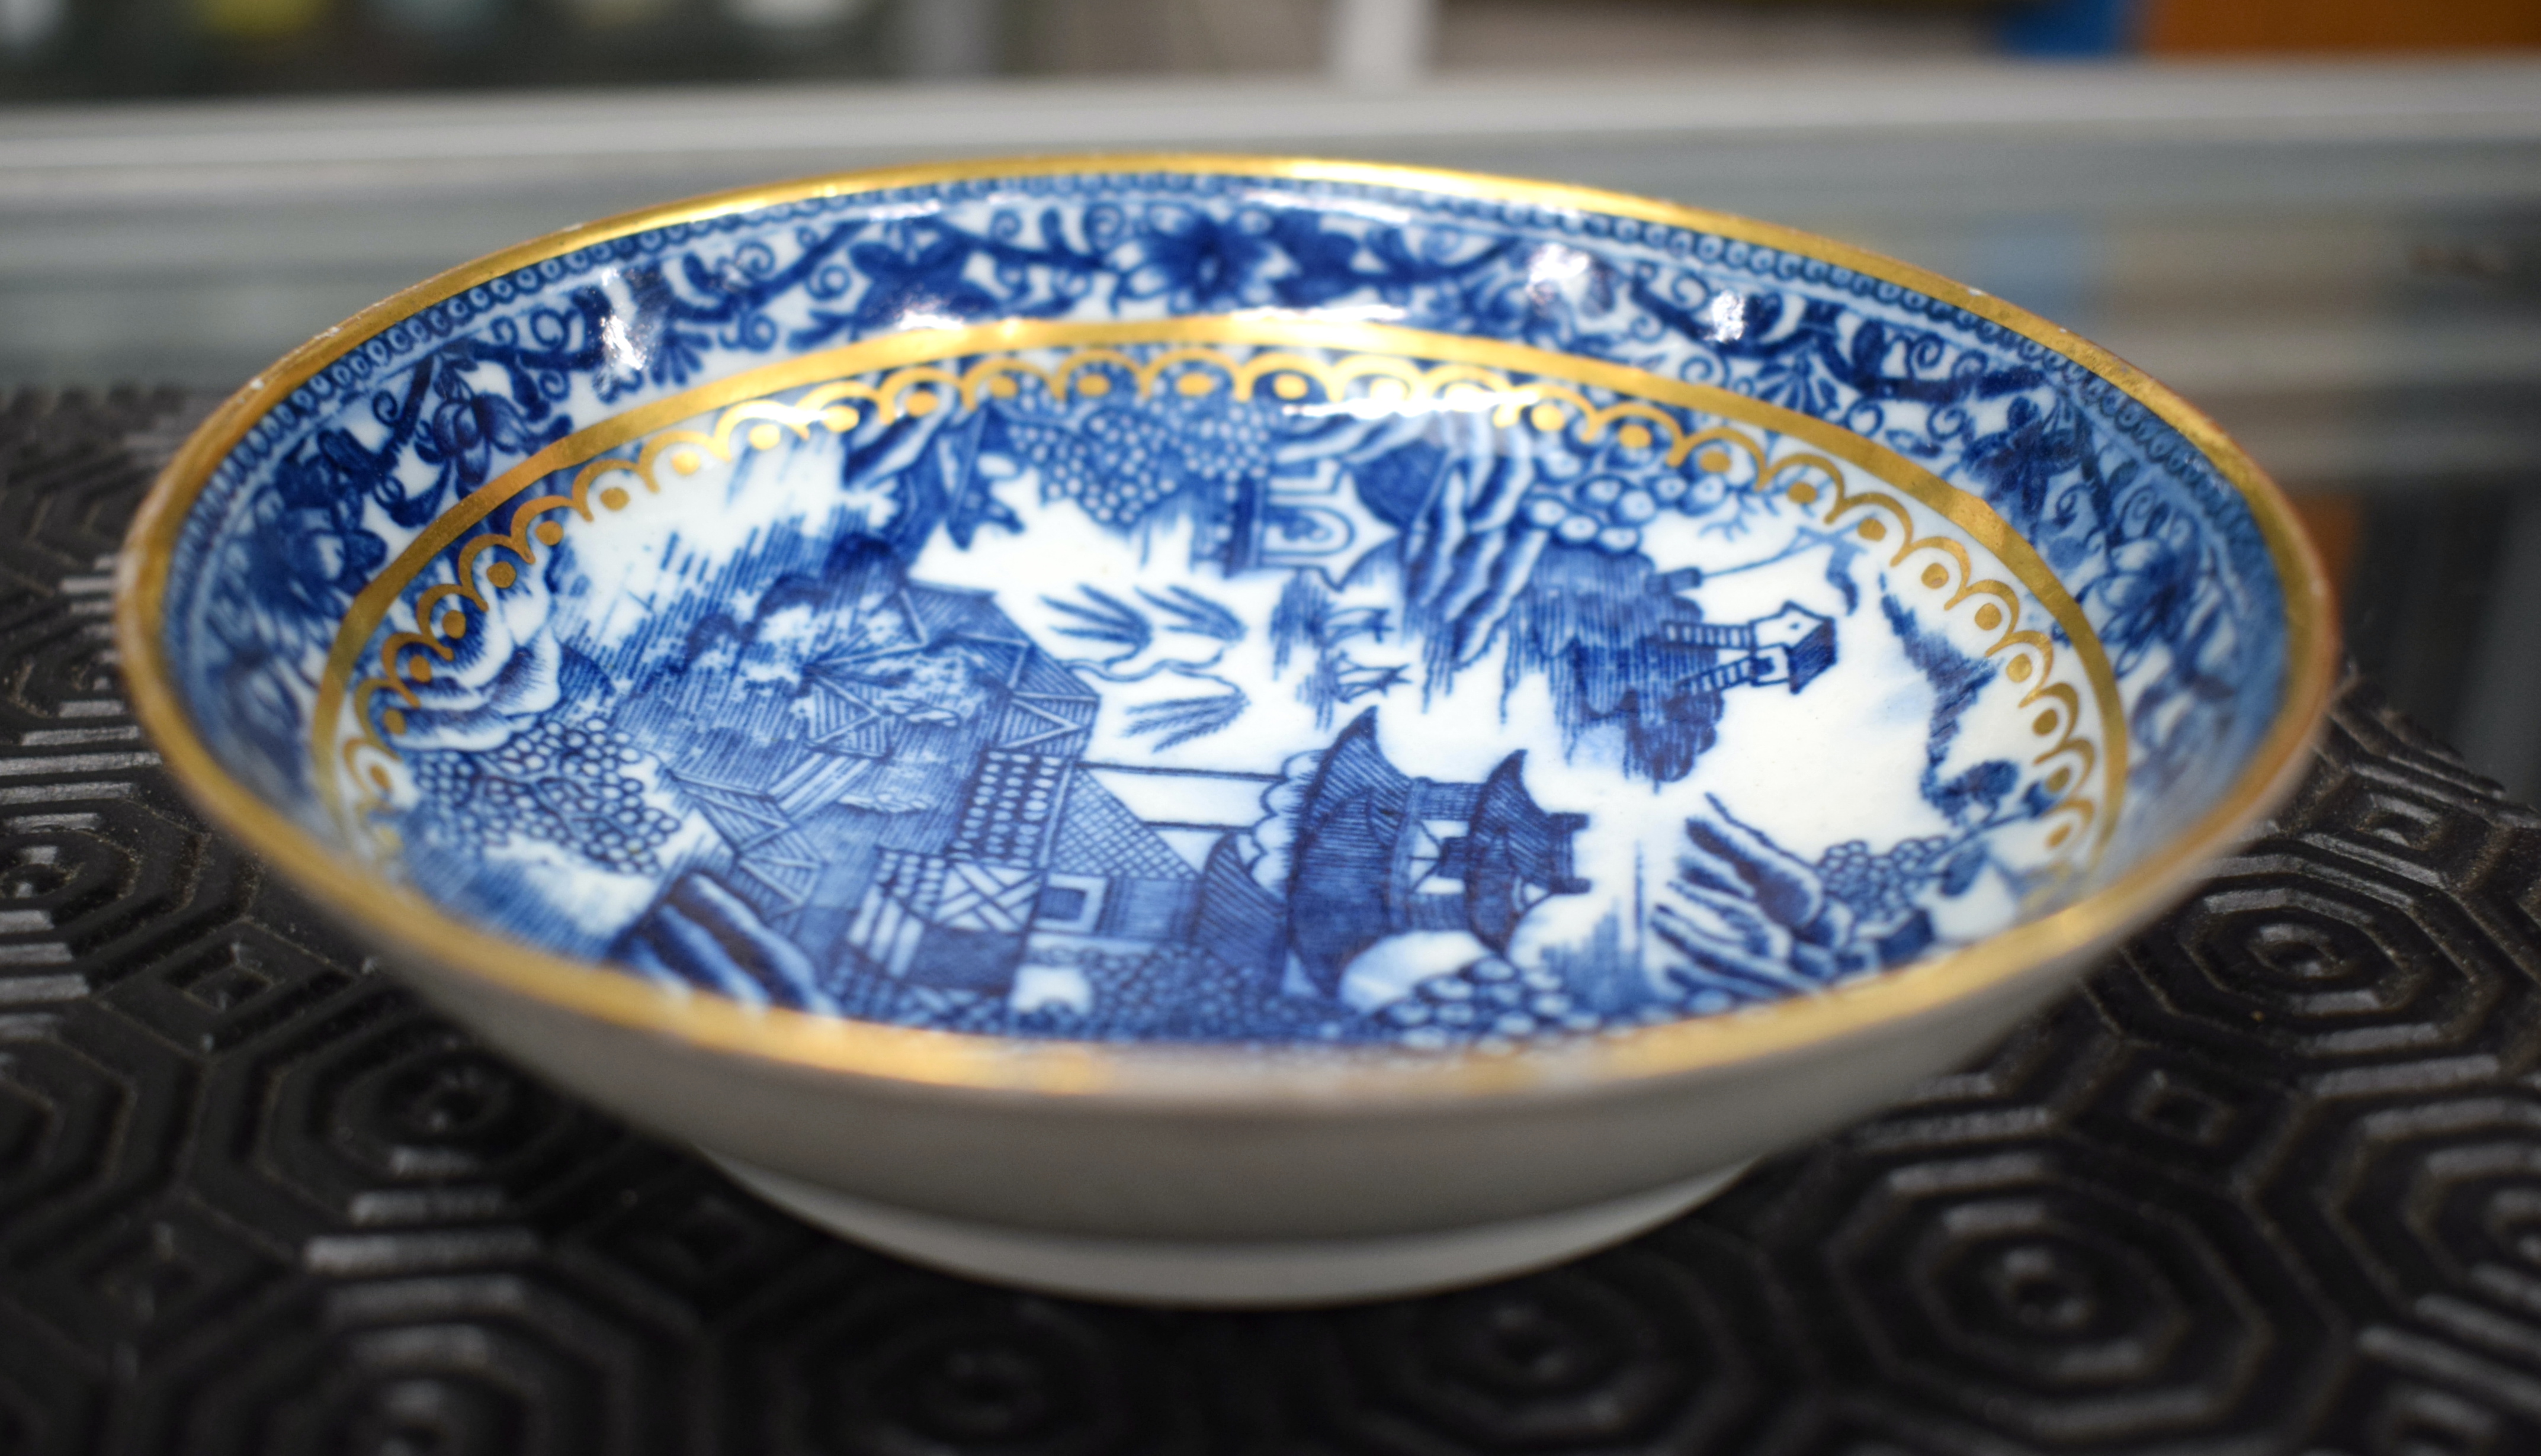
(2244,27)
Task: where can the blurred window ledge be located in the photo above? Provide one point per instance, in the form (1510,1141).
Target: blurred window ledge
(2339,260)
(2297,244)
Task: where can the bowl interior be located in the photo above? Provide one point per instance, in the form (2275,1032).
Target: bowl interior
(1218,603)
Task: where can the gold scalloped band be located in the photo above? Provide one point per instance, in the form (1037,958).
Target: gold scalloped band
(1388,367)
(1162,1076)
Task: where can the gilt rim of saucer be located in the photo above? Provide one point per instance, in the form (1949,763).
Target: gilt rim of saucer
(1199,1074)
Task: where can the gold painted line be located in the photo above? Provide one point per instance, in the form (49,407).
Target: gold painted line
(1166,1076)
(1963,510)
(373,604)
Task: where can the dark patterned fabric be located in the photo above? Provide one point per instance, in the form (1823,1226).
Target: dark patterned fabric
(2270,1182)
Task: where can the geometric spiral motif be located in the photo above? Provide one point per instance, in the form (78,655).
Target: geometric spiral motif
(2270,1182)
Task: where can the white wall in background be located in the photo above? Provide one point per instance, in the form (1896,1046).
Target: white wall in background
(27,24)
(1380,45)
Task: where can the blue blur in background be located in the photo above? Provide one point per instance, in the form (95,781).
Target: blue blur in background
(2070,28)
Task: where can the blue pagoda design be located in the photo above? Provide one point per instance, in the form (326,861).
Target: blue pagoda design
(909,800)
(910,805)
(1792,646)
(1378,851)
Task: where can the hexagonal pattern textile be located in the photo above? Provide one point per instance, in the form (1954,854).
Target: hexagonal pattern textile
(2270,1182)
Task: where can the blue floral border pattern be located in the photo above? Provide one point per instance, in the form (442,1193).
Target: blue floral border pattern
(2164,557)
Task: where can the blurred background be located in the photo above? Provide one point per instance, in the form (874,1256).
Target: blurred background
(2319,219)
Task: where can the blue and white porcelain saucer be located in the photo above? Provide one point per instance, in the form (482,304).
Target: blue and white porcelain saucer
(1097,629)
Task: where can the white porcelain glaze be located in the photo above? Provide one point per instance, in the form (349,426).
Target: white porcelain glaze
(1246,703)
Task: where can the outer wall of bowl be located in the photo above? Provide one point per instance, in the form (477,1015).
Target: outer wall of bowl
(1085,1164)
(1273,1170)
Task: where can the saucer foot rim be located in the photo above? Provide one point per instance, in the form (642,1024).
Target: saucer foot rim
(1246,1273)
